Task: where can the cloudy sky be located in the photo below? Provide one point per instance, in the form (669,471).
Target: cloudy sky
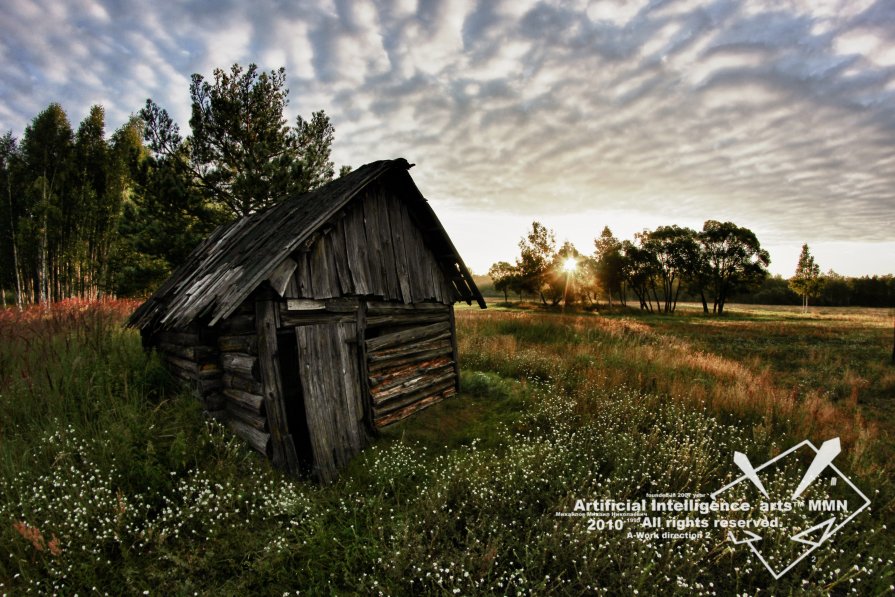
(778,115)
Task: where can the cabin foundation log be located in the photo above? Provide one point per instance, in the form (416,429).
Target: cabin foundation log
(245,400)
(259,440)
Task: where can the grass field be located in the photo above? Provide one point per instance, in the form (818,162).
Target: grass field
(110,478)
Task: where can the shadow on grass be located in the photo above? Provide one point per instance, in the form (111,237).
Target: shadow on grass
(487,402)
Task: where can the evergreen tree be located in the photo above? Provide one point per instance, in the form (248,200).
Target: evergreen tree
(164,217)
(807,280)
(242,153)
(314,139)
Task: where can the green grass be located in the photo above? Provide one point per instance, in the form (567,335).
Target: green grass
(111,478)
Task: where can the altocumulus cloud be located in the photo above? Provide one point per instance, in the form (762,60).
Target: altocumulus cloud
(779,114)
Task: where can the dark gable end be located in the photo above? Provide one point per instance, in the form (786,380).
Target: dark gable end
(228,266)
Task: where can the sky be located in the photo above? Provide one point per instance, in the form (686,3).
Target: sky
(778,115)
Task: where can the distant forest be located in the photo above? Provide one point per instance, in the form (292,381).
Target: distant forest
(86,215)
(721,263)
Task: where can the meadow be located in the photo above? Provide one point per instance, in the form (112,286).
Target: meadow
(113,482)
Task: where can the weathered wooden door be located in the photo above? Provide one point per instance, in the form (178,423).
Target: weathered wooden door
(331,388)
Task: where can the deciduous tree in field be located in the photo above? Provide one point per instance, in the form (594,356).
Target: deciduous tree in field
(640,270)
(674,251)
(537,251)
(569,277)
(505,277)
(609,265)
(807,281)
(732,260)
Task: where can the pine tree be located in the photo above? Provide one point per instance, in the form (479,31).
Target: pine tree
(242,154)
(807,280)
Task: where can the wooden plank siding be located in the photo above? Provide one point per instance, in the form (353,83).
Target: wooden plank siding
(373,249)
(333,402)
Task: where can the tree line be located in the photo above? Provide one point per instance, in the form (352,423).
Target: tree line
(658,268)
(809,285)
(86,215)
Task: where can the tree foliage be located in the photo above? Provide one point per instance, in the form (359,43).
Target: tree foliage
(640,270)
(62,198)
(553,275)
(658,266)
(314,139)
(10,270)
(46,151)
(571,277)
(86,215)
(673,252)
(537,251)
(242,153)
(732,261)
(807,281)
(505,278)
(609,265)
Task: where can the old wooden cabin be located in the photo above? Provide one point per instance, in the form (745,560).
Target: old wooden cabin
(309,325)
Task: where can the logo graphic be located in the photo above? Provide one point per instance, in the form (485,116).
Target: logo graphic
(806,513)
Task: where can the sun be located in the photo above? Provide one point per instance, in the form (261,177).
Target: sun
(569,265)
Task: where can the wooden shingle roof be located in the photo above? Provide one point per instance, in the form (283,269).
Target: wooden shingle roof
(233,261)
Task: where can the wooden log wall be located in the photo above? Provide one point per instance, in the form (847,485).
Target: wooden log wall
(243,401)
(374,249)
(190,354)
(410,358)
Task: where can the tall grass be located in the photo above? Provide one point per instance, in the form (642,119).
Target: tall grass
(111,480)
(586,352)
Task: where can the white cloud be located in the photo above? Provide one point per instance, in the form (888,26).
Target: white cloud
(226,46)
(879,51)
(617,12)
